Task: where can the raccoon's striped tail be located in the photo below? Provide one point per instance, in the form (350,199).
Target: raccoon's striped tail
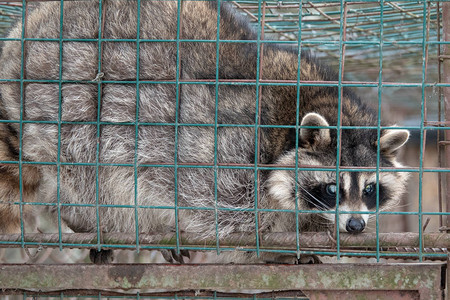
(10,185)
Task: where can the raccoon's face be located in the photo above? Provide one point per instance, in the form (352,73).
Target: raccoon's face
(357,191)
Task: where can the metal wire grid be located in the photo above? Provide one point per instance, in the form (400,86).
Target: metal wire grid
(402,37)
(320,26)
(402,27)
(342,42)
(9,13)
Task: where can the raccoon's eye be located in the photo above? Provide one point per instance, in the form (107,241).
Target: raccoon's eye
(331,189)
(369,189)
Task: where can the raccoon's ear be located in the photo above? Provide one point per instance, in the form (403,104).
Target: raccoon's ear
(392,139)
(315,137)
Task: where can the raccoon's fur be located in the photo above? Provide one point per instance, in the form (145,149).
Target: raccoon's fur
(10,189)
(231,202)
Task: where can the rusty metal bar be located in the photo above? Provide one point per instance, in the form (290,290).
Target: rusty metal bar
(198,294)
(446,94)
(444,61)
(367,295)
(320,240)
(424,278)
(258,128)
(348,295)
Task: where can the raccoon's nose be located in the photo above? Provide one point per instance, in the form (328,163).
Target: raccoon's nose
(355,225)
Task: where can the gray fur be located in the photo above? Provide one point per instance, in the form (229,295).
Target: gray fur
(156,143)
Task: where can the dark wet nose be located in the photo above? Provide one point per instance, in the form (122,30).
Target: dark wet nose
(355,225)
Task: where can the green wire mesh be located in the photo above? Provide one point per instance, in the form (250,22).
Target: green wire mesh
(403,32)
(401,41)
(402,27)
(9,14)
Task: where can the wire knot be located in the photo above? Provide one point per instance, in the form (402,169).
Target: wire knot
(99,77)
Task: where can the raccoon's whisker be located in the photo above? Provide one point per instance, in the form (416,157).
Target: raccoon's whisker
(314,198)
(385,208)
(321,223)
(389,207)
(316,220)
(368,228)
(371,216)
(314,203)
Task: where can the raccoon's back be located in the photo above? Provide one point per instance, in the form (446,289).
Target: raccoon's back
(80,56)
(126,119)
(81,99)
(127,94)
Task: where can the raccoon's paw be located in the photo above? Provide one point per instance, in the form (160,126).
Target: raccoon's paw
(171,255)
(101,257)
(292,260)
(309,259)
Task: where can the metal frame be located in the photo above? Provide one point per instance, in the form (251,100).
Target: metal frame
(378,280)
(423,280)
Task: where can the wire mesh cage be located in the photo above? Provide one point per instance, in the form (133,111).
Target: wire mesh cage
(184,126)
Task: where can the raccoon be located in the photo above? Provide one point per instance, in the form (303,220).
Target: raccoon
(144,132)
(10,185)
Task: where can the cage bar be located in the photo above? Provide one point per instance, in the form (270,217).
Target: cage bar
(423,278)
(243,241)
(446,94)
(445,77)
